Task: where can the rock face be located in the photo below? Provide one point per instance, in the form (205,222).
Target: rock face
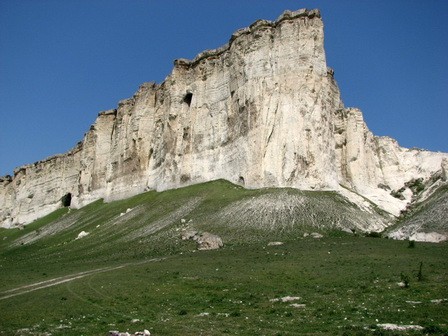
(205,240)
(262,111)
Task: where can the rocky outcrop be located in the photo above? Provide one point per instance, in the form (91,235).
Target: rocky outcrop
(262,111)
(205,240)
(138,333)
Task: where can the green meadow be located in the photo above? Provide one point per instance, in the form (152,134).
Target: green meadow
(133,271)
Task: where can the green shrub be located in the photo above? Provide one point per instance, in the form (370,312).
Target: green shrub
(373,234)
(433,329)
(398,193)
(235,314)
(416,185)
(420,272)
(405,280)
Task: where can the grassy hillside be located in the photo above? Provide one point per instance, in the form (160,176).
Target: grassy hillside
(151,223)
(133,272)
(428,216)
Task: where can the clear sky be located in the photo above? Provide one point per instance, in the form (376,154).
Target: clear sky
(63,61)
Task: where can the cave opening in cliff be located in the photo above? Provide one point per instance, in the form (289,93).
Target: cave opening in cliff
(66,200)
(187,99)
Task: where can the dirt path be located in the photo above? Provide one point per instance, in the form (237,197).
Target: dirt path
(60,280)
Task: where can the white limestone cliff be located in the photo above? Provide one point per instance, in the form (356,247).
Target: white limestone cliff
(262,111)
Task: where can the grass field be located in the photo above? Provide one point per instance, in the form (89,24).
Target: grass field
(133,272)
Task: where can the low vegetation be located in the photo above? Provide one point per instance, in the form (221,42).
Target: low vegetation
(133,272)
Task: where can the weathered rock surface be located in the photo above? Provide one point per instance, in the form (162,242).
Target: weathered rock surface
(205,240)
(138,333)
(209,241)
(82,234)
(262,111)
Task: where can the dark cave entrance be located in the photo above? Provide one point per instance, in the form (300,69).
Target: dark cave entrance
(187,99)
(66,200)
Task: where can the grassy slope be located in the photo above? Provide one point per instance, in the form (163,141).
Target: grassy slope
(346,283)
(427,216)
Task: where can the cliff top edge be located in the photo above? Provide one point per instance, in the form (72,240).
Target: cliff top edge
(286,15)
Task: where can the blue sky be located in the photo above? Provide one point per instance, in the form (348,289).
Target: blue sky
(61,62)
